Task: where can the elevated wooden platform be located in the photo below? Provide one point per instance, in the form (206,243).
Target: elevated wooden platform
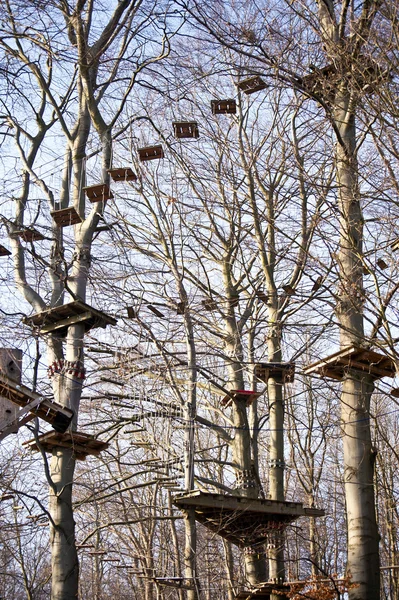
(61,317)
(224,107)
(353,358)
(82,444)
(264,591)
(4,251)
(66,217)
(151,153)
(123,174)
(282,372)
(185,129)
(252,85)
(247,396)
(242,521)
(58,416)
(29,234)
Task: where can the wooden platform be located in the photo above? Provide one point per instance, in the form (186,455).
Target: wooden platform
(353,358)
(82,444)
(247,396)
(185,129)
(66,216)
(224,107)
(122,174)
(61,317)
(28,235)
(98,193)
(282,372)
(264,591)
(151,153)
(251,85)
(4,251)
(242,521)
(58,416)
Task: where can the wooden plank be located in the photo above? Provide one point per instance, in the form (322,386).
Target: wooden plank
(251,85)
(67,322)
(151,153)
(4,251)
(224,107)
(66,216)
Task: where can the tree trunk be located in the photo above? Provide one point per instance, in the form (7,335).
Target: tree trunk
(363,542)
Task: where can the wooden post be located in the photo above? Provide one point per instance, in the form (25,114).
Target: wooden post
(11,367)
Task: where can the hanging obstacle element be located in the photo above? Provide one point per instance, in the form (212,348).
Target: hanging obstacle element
(395,245)
(4,251)
(382,264)
(247,396)
(28,235)
(82,444)
(66,216)
(223,107)
(243,521)
(58,416)
(281,372)
(98,193)
(353,358)
(263,591)
(185,129)
(122,174)
(151,153)
(61,317)
(252,85)
(209,305)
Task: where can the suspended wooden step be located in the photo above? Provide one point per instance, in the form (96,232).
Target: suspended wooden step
(243,521)
(247,396)
(185,129)
(395,245)
(66,216)
(209,304)
(4,251)
(180,308)
(252,85)
(318,283)
(102,228)
(382,264)
(282,372)
(82,444)
(98,193)
(262,296)
(122,174)
(151,153)
(289,290)
(58,416)
(61,317)
(155,311)
(131,312)
(353,358)
(28,235)
(224,107)
(394,392)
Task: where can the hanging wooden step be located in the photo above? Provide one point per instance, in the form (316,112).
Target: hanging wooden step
(131,312)
(185,129)
(382,264)
(61,317)
(83,444)
(353,358)
(4,251)
(209,305)
(247,396)
(98,193)
(122,174)
(282,372)
(242,521)
(151,153)
(180,308)
(263,296)
(154,310)
(174,582)
(289,290)
(252,85)
(28,235)
(58,416)
(66,217)
(224,107)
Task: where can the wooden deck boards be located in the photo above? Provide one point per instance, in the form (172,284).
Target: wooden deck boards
(353,358)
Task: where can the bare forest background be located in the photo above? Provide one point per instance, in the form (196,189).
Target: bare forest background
(269,238)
